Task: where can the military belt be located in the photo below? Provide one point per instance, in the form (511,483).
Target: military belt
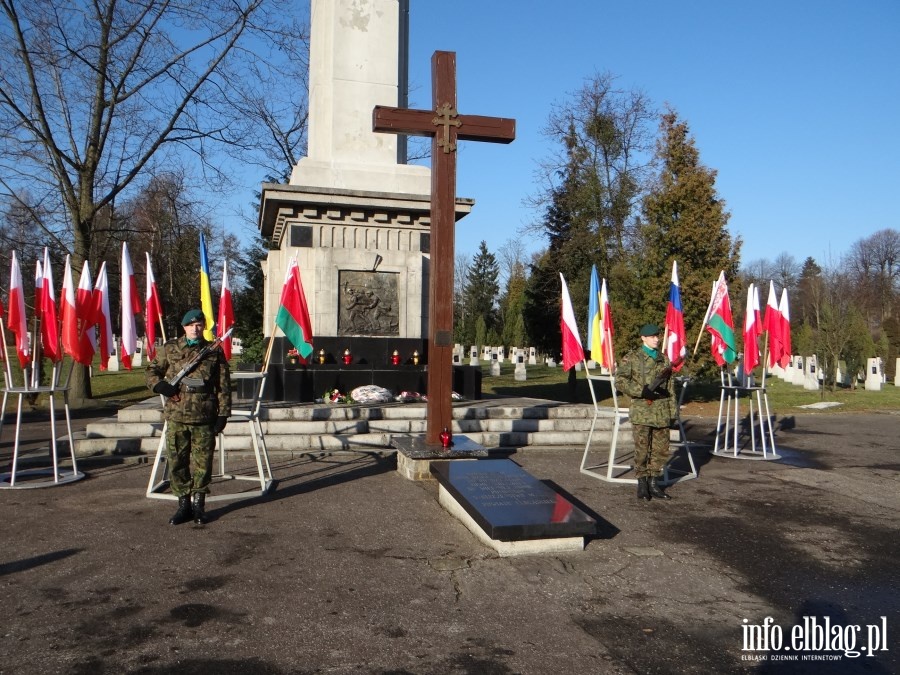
(202,389)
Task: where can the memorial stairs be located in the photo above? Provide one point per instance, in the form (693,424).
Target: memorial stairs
(296,429)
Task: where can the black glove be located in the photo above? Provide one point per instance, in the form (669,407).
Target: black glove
(649,394)
(164,388)
(219,426)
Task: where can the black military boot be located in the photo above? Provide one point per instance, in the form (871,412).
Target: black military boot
(183,514)
(198,502)
(656,491)
(643,491)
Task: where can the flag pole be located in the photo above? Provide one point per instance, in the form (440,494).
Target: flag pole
(6,365)
(712,299)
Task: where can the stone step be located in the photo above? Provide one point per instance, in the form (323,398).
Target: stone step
(301,429)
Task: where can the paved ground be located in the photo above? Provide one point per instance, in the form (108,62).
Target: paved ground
(348,568)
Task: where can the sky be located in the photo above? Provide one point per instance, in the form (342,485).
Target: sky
(795,103)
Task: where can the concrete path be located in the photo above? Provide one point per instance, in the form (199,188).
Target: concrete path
(348,568)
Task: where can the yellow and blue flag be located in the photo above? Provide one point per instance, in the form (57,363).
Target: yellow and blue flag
(205,293)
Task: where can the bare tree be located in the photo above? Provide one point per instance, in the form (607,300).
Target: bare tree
(95,94)
(874,264)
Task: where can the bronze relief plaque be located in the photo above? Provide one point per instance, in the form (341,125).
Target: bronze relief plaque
(368,303)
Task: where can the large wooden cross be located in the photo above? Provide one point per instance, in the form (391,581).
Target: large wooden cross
(446,126)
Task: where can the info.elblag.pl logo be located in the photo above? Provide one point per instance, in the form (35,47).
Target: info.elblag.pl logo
(814,639)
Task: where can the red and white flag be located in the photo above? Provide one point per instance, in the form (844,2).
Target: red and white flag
(131,305)
(16,321)
(676,344)
(572,351)
(84,308)
(226,312)
(752,330)
(102,317)
(49,318)
(785,312)
(68,315)
(153,310)
(772,325)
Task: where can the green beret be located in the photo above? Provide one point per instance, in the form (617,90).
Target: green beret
(649,329)
(192,316)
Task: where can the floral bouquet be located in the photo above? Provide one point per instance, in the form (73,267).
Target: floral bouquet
(335,396)
(293,354)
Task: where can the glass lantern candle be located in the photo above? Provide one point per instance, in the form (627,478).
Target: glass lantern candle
(321,356)
(347,358)
(395,358)
(415,357)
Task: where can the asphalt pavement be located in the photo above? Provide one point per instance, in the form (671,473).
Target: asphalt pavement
(784,566)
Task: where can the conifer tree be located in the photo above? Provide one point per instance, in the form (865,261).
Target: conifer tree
(684,220)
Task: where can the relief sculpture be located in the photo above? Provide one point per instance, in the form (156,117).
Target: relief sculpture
(368,304)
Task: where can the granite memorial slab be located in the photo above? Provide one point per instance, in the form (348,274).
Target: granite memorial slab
(415,455)
(508,503)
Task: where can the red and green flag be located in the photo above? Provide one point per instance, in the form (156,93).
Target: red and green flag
(293,315)
(720,323)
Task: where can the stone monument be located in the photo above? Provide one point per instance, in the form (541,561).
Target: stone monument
(354,214)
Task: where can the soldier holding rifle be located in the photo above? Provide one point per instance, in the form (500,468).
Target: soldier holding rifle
(194,377)
(645,374)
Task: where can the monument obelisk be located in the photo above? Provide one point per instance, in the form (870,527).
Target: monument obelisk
(353,213)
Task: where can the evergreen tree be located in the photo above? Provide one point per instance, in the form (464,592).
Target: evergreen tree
(683,220)
(481,288)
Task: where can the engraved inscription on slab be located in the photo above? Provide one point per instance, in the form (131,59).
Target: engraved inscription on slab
(368,303)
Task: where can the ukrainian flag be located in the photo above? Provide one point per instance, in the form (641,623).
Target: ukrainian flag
(205,293)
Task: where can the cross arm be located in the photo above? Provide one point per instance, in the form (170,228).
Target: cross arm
(403,121)
(489,129)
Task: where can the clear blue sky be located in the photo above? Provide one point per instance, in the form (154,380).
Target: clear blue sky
(795,103)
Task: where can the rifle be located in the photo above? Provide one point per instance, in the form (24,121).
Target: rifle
(189,367)
(663,377)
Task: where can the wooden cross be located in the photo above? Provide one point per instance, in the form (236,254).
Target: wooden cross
(445,126)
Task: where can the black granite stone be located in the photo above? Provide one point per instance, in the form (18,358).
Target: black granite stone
(415,447)
(509,503)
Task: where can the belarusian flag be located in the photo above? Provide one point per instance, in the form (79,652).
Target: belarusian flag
(293,316)
(720,323)
(572,351)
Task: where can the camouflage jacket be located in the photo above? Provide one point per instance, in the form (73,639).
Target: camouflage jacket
(637,370)
(205,392)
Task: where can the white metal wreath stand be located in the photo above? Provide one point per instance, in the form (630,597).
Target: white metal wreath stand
(612,469)
(55,474)
(250,415)
(729,402)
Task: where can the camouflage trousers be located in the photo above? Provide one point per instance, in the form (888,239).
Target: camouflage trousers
(651,449)
(189,451)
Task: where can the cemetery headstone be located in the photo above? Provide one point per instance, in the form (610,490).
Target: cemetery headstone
(874,376)
(520,373)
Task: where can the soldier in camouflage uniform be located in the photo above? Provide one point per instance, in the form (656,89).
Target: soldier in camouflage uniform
(652,409)
(196,411)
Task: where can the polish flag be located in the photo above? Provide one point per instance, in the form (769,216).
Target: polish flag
(84,308)
(752,330)
(154,310)
(785,312)
(772,325)
(131,305)
(572,351)
(226,312)
(49,319)
(68,315)
(102,316)
(16,320)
